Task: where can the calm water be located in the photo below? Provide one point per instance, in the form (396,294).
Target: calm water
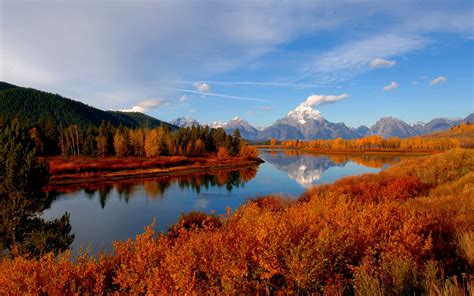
(102,213)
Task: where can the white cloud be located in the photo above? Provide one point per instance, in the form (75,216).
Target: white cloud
(393,85)
(183,98)
(352,58)
(382,63)
(192,110)
(202,87)
(317,100)
(438,80)
(146,105)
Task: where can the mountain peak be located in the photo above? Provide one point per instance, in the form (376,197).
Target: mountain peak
(303,113)
(185,122)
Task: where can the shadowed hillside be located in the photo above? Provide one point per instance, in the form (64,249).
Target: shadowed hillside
(38,108)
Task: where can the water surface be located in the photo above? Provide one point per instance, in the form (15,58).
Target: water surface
(102,213)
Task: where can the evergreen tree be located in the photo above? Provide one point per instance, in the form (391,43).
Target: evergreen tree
(235,144)
(22,200)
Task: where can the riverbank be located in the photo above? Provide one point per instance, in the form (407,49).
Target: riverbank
(352,151)
(75,170)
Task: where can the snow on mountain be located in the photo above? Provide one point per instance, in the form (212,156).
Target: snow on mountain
(304,113)
(185,122)
(217,124)
(247,131)
(304,122)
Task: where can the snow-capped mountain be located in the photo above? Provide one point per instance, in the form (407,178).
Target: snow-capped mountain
(185,122)
(247,131)
(304,122)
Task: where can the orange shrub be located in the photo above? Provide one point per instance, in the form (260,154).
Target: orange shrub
(222,153)
(248,152)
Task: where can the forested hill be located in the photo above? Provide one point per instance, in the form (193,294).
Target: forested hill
(36,108)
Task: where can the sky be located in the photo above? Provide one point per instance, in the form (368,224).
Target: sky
(354,61)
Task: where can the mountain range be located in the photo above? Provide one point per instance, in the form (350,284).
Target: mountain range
(306,123)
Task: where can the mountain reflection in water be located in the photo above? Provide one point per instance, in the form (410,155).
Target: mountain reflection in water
(307,169)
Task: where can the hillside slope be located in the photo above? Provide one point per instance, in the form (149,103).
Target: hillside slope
(34,107)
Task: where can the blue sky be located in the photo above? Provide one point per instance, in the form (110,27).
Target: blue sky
(214,60)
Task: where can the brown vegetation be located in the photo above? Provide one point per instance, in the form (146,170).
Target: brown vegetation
(407,230)
(66,170)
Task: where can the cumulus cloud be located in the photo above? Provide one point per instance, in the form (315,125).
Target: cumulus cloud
(438,80)
(318,100)
(382,63)
(202,87)
(146,105)
(393,85)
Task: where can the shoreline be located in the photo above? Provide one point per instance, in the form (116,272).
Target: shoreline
(84,176)
(351,151)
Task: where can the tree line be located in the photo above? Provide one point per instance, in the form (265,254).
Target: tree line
(459,136)
(107,140)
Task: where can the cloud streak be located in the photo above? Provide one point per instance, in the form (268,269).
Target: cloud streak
(255,83)
(209,94)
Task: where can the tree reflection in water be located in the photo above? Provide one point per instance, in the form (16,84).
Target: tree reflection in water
(156,188)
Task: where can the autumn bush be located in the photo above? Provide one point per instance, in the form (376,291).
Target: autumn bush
(407,230)
(248,152)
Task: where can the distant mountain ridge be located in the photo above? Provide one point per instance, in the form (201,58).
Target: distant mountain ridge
(305,123)
(34,107)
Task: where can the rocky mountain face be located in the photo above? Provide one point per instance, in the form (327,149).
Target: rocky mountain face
(247,131)
(469,118)
(435,125)
(392,127)
(185,122)
(361,131)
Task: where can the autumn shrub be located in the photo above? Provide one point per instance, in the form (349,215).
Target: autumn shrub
(222,153)
(374,188)
(437,169)
(248,152)
(194,220)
